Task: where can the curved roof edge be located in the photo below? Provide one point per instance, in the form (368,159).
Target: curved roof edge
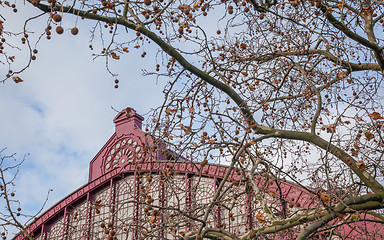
(289,190)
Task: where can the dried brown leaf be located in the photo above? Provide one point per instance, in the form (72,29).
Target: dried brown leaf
(369,135)
(325,197)
(153,219)
(361,165)
(260,217)
(375,116)
(168,111)
(115,56)
(17,79)
(342,75)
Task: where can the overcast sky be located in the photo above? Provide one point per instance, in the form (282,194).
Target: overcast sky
(61,114)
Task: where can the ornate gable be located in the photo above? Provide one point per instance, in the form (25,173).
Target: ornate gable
(126,146)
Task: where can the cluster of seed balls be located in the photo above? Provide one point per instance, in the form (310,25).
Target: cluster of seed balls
(59,29)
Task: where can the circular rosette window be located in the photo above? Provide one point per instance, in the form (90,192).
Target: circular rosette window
(123,152)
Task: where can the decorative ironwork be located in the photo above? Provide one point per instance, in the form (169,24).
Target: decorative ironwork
(77,224)
(123,152)
(124,208)
(56,230)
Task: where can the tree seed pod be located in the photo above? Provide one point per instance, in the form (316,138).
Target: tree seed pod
(147,2)
(75,31)
(59,30)
(56,18)
(230,9)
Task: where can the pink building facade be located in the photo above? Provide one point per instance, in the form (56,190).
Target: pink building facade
(137,189)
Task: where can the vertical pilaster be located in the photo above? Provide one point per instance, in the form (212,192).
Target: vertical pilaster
(188,198)
(162,202)
(136,206)
(112,199)
(65,223)
(88,219)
